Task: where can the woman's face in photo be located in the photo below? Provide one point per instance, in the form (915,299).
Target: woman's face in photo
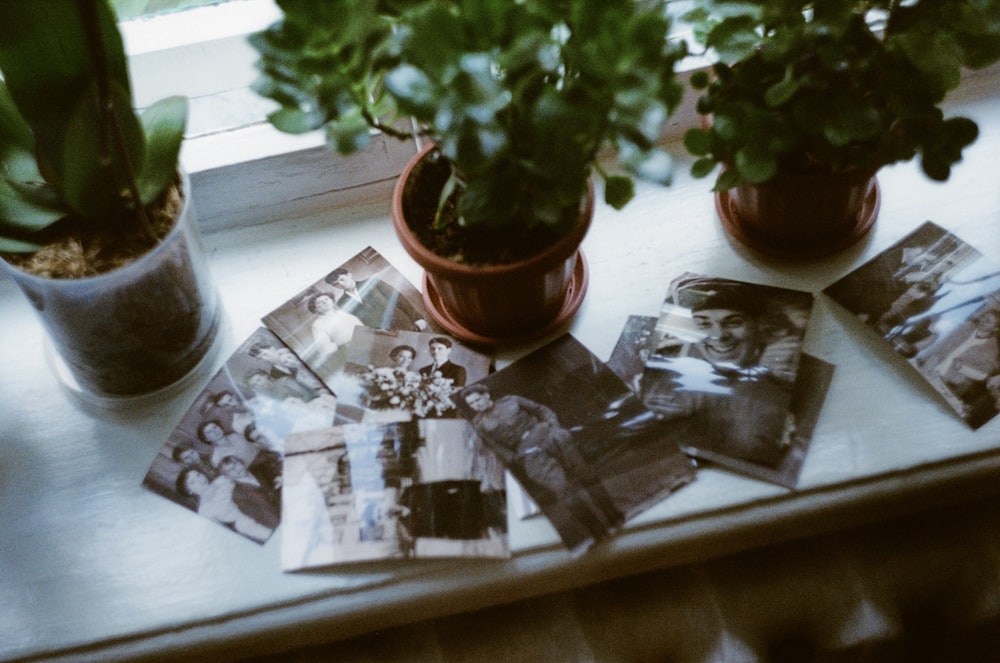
(189,457)
(213,432)
(195,483)
(257,380)
(233,467)
(323,304)
(228,400)
(402,359)
(286,358)
(730,335)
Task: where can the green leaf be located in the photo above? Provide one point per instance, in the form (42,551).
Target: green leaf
(14,131)
(848,120)
(698,141)
(414,91)
(350,133)
(25,213)
(936,55)
(779,93)
(734,39)
(49,64)
(295,121)
(702,167)
(945,148)
(163,124)
(90,168)
(727,179)
(9,245)
(725,126)
(699,80)
(618,190)
(755,165)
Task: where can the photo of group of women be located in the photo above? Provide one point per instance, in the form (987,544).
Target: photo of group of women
(576,439)
(224,458)
(366,491)
(936,300)
(722,365)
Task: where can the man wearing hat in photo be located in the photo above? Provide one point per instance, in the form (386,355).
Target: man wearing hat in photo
(732,385)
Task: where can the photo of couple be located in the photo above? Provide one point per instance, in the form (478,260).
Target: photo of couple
(319,322)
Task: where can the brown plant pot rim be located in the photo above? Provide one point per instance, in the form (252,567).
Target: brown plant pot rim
(449,286)
(866,216)
(578,285)
(561,250)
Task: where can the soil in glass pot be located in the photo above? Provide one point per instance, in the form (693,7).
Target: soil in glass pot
(135,331)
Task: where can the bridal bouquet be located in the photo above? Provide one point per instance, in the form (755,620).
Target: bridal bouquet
(390,388)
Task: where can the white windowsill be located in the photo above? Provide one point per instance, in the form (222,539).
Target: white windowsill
(98,568)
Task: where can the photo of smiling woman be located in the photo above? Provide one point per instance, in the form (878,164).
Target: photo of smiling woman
(724,358)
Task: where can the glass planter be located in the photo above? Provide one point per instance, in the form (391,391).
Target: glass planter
(134,332)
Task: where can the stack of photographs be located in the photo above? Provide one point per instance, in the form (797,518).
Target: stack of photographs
(337,419)
(936,300)
(369,434)
(723,370)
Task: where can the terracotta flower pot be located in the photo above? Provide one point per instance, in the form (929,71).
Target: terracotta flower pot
(134,331)
(801,216)
(498,304)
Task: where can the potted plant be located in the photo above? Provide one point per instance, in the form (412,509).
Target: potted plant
(808,100)
(518,104)
(96,222)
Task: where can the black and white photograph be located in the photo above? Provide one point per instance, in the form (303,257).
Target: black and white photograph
(936,300)
(722,367)
(377,491)
(223,460)
(628,357)
(812,382)
(366,291)
(576,438)
(392,375)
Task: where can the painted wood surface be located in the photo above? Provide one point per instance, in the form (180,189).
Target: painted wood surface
(92,566)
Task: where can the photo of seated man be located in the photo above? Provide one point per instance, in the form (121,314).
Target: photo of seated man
(576,439)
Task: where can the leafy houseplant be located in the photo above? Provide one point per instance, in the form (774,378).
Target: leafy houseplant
(809,91)
(519,99)
(95,225)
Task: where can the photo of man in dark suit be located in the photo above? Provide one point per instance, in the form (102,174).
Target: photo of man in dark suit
(440,349)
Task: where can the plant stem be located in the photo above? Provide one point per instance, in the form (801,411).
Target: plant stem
(109,115)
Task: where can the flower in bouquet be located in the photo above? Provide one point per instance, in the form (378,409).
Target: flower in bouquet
(392,388)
